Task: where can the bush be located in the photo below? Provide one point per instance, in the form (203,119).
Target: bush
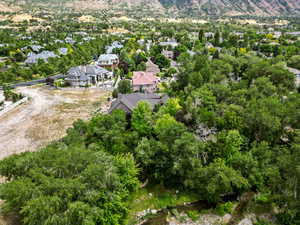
(289,217)
(194,215)
(224,208)
(263,198)
(115,93)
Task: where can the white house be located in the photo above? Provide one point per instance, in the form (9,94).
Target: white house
(108,60)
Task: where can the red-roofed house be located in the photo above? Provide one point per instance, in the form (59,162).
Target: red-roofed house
(144,82)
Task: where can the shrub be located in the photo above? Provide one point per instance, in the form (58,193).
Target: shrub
(224,208)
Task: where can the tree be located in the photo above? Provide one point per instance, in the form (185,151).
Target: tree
(201,36)
(294,61)
(216,180)
(124,87)
(67,185)
(142,119)
(162,61)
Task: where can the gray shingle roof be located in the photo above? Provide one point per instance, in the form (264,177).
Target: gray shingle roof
(33,58)
(131,100)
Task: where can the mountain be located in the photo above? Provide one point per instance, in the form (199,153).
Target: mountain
(188,7)
(236,7)
(205,7)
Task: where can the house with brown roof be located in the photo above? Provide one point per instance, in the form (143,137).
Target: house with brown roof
(152,68)
(144,82)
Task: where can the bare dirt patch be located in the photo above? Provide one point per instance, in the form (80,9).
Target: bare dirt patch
(86,19)
(45,117)
(8,8)
(24,17)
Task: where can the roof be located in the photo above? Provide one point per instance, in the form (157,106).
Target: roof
(151,67)
(80,71)
(131,100)
(144,78)
(293,70)
(63,51)
(33,58)
(115,44)
(168,43)
(107,57)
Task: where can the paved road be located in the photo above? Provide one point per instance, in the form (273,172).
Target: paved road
(34,82)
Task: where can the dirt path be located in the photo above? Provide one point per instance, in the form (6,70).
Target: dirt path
(45,117)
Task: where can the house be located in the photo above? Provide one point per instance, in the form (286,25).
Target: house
(114,45)
(173,44)
(152,68)
(108,60)
(44,55)
(296,33)
(209,45)
(88,39)
(297,74)
(191,53)
(168,54)
(209,34)
(70,40)
(90,75)
(144,82)
(36,48)
(128,102)
(63,51)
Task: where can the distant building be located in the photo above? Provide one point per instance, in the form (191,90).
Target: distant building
(88,38)
(209,34)
(34,58)
(168,54)
(209,45)
(90,75)
(108,60)
(36,48)
(70,40)
(297,74)
(128,102)
(152,68)
(296,33)
(173,44)
(114,45)
(144,82)
(63,51)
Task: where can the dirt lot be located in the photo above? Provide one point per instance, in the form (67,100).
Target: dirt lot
(45,117)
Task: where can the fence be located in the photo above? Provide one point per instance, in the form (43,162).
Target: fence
(12,106)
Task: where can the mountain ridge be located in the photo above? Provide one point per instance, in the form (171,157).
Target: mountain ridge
(189,7)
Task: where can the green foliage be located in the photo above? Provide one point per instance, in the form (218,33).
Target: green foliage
(11,95)
(224,208)
(142,119)
(194,215)
(124,87)
(69,184)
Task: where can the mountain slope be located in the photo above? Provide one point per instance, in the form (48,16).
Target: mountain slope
(248,7)
(190,7)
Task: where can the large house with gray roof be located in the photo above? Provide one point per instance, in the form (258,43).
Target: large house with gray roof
(90,75)
(127,102)
(44,55)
